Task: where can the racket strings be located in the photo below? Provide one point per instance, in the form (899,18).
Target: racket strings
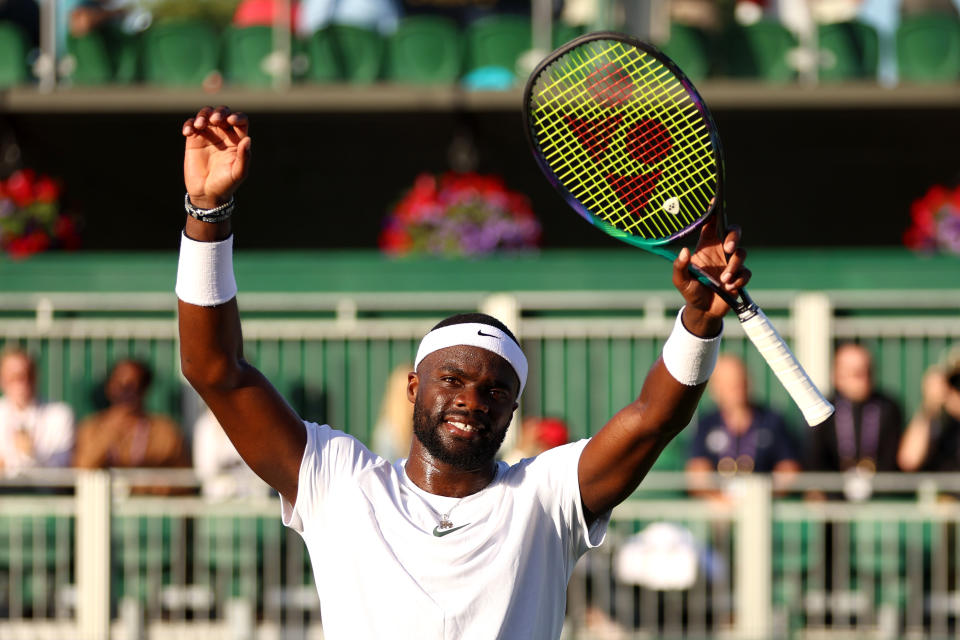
(625,138)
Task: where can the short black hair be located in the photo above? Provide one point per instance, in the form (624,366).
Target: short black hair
(480,318)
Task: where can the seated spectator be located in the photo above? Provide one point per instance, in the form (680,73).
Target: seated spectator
(222,472)
(380,15)
(864,432)
(33,433)
(393,431)
(931,441)
(124,434)
(536,436)
(740,436)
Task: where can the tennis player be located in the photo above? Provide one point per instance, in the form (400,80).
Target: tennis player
(448,543)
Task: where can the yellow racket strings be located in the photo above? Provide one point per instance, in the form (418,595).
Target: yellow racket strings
(624,137)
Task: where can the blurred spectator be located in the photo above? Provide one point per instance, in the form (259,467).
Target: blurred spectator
(80,17)
(864,433)
(33,433)
(253,13)
(394,429)
(931,441)
(124,434)
(380,15)
(222,472)
(25,14)
(536,436)
(739,437)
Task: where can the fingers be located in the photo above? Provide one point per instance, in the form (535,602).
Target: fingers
(732,240)
(735,275)
(681,273)
(242,165)
(233,125)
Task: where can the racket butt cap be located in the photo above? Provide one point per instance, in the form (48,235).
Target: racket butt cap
(819,413)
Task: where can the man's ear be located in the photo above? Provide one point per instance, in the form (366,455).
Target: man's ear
(413,383)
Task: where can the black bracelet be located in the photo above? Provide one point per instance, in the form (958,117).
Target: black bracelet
(217,214)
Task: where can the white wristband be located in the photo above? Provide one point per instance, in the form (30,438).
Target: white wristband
(205,272)
(690,359)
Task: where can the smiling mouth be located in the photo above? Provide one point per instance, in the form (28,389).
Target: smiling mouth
(464,427)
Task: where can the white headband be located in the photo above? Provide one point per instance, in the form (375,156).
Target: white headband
(475,334)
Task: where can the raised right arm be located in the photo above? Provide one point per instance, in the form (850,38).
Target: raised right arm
(266,431)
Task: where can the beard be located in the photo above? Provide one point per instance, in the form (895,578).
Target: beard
(426,429)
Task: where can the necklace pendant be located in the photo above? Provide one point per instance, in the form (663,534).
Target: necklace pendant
(444,522)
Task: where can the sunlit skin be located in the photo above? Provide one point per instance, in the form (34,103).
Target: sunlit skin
(730,389)
(18,379)
(270,436)
(852,372)
(460,384)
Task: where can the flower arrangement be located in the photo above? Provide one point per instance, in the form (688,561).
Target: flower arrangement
(459,214)
(935,222)
(30,218)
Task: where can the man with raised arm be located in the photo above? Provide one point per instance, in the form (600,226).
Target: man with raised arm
(448,543)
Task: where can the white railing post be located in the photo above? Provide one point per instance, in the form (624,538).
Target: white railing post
(93,555)
(813,336)
(753,578)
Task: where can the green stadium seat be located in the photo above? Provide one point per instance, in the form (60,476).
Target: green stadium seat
(324,65)
(689,48)
(761,51)
(103,56)
(361,53)
(497,41)
(180,53)
(928,48)
(345,53)
(246,52)
(848,51)
(425,50)
(13,55)
(564,33)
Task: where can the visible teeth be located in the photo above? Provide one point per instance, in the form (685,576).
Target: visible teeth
(461,425)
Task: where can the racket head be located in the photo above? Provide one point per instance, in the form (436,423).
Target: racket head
(625,138)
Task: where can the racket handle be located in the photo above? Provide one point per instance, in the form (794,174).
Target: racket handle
(794,379)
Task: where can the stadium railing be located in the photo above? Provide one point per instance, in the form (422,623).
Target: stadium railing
(330,353)
(83,556)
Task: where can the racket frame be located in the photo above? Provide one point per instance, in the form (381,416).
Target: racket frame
(743,306)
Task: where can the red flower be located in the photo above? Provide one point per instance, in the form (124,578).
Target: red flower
(34,242)
(20,187)
(66,233)
(46,190)
(393,240)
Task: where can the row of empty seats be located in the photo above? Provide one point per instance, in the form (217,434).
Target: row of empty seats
(434,50)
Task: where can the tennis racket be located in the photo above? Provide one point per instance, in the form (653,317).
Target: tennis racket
(626,139)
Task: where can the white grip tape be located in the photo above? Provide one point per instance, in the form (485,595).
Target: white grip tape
(205,272)
(794,379)
(689,359)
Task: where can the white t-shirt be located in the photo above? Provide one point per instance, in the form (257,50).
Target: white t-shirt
(50,427)
(500,572)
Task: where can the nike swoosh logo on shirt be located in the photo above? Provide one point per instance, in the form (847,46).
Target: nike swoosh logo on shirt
(486,335)
(437,532)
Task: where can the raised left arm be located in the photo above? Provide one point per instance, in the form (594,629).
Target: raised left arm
(618,457)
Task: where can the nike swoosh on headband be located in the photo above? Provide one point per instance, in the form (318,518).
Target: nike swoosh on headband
(440,534)
(487,335)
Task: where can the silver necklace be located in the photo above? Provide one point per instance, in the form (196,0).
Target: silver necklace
(445,522)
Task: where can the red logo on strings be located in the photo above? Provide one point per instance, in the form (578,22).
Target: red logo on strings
(647,141)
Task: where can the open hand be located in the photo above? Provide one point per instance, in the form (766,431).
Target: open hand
(217,155)
(710,256)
